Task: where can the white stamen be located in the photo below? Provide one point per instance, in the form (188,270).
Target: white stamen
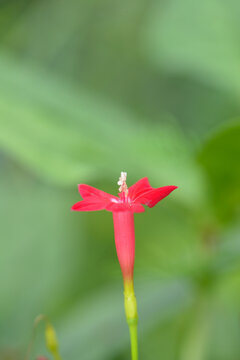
(122,182)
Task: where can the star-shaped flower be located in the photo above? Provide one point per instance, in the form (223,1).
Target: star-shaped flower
(123,207)
(132,199)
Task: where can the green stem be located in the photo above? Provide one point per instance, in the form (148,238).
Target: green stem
(57,356)
(130,304)
(133,339)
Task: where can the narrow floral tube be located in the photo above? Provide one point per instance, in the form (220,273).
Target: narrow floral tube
(125,245)
(125,241)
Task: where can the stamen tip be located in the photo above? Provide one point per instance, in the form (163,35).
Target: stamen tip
(122,182)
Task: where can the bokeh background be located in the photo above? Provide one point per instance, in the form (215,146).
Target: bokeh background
(89,88)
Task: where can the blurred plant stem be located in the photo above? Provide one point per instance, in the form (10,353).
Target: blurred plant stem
(52,341)
(57,357)
(50,338)
(196,339)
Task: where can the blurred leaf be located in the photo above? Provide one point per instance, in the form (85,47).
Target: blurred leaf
(66,135)
(167,241)
(220,158)
(35,275)
(196,339)
(199,38)
(225,331)
(228,259)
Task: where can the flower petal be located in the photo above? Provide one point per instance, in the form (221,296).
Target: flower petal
(88,192)
(152,197)
(115,207)
(86,205)
(93,199)
(137,208)
(141,186)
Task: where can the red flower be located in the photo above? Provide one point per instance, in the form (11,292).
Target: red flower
(129,201)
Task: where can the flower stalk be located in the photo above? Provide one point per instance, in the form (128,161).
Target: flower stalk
(130,304)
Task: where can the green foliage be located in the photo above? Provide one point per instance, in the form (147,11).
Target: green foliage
(220,157)
(197,38)
(89,89)
(33,129)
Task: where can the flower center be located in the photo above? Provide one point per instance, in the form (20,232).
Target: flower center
(123,185)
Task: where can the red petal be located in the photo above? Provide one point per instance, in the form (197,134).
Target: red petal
(152,197)
(88,192)
(137,208)
(85,205)
(115,207)
(141,186)
(112,206)
(93,199)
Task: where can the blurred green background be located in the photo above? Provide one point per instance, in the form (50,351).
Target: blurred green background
(89,88)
